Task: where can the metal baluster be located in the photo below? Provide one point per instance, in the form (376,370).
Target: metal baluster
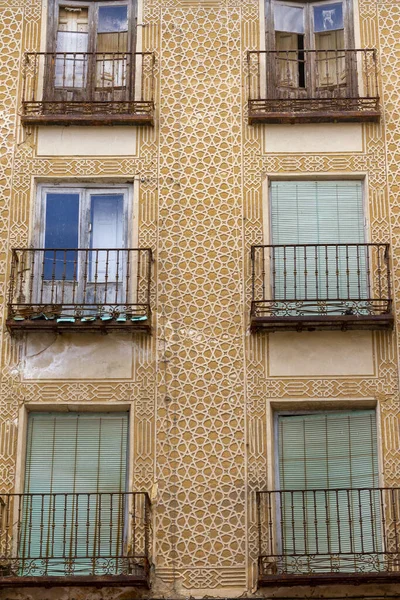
(32,254)
(350,517)
(41,526)
(110,525)
(64,276)
(284,273)
(105,300)
(88,527)
(337,273)
(379,274)
(85,273)
(293,522)
(75,277)
(305,273)
(134,525)
(361,521)
(389,284)
(64,542)
(372,512)
(127,276)
(139,255)
(117,276)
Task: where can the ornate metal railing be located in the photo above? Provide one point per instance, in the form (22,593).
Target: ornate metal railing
(88,88)
(336,285)
(79,288)
(85,534)
(313,85)
(337,531)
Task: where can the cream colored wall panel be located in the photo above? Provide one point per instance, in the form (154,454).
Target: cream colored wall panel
(318,137)
(82,356)
(320,353)
(86,141)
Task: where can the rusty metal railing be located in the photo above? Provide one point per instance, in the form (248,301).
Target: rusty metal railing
(320,280)
(48,535)
(105,285)
(347,530)
(313,82)
(113,86)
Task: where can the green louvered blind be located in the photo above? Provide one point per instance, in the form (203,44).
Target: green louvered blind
(327,451)
(318,212)
(75,453)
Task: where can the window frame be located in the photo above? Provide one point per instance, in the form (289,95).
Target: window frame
(92,6)
(84,191)
(348,22)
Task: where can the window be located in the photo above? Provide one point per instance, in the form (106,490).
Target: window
(309,39)
(75,517)
(318,237)
(93,42)
(84,236)
(329,463)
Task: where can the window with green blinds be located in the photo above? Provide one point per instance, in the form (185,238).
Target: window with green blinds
(76,452)
(318,212)
(320,452)
(76,468)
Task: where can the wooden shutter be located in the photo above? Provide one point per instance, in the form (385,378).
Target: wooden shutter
(329,451)
(69,454)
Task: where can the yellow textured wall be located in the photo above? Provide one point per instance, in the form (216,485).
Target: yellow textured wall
(200,384)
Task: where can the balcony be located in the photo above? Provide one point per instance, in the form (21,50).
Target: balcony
(81,88)
(313,86)
(96,539)
(80,290)
(317,537)
(321,286)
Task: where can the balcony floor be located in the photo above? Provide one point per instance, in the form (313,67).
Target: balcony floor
(313,579)
(36,325)
(317,323)
(96,581)
(324,110)
(87,113)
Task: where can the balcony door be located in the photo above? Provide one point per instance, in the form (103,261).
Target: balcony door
(90,56)
(309,40)
(328,513)
(310,272)
(84,238)
(74,519)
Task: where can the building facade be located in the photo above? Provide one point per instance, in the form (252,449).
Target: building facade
(199,225)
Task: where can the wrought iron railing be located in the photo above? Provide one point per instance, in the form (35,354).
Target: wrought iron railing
(44,535)
(115,87)
(320,280)
(343,83)
(315,532)
(86,287)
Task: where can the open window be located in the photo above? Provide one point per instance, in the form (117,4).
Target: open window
(309,40)
(91,46)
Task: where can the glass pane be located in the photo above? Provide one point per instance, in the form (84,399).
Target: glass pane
(328,17)
(113,19)
(72,40)
(107,232)
(289,18)
(112,37)
(61,231)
